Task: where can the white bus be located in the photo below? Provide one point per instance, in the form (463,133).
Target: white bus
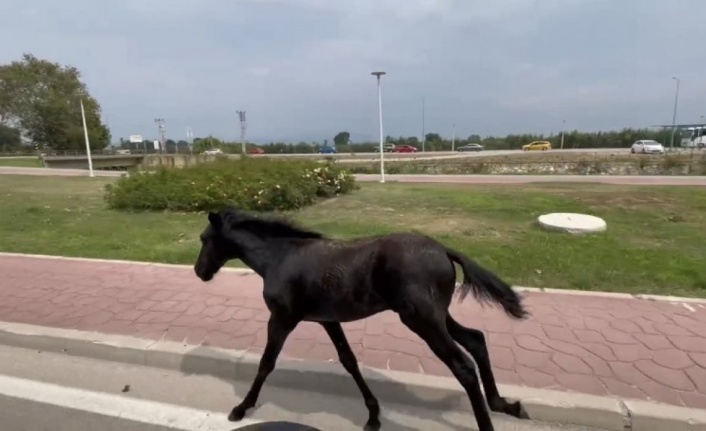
(696,139)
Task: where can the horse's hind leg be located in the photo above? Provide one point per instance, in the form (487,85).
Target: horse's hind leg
(433,331)
(349,362)
(474,342)
(278,329)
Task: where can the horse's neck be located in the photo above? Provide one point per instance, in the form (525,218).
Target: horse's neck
(255,252)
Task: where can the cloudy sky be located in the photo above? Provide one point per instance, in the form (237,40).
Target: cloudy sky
(301,68)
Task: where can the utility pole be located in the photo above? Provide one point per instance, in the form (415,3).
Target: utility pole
(563,128)
(382,156)
(241,117)
(674,115)
(190,139)
(424,134)
(453,137)
(160,133)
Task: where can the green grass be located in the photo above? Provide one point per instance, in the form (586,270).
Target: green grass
(655,243)
(24,162)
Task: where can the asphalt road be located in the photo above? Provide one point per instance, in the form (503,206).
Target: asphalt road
(441,154)
(56,392)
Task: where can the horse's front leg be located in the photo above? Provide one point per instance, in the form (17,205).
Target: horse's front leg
(278,329)
(350,363)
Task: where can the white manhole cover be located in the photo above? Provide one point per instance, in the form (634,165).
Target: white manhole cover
(572,223)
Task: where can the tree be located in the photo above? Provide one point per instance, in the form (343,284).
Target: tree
(342,138)
(42,99)
(10,139)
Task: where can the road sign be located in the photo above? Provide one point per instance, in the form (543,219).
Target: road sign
(135,139)
(156,144)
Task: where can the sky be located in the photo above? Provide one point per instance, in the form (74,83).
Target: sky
(301,68)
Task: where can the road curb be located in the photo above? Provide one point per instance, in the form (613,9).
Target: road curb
(119,262)
(616,295)
(390,386)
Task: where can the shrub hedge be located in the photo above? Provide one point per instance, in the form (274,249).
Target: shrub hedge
(257,184)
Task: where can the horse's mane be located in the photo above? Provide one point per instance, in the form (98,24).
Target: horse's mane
(269,226)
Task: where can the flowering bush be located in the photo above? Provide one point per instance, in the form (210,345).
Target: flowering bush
(253,184)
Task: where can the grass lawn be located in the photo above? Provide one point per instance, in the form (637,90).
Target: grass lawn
(655,243)
(23,162)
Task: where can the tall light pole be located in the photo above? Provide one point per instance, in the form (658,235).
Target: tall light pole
(241,117)
(85,136)
(563,128)
(160,130)
(674,115)
(424,132)
(382,158)
(453,137)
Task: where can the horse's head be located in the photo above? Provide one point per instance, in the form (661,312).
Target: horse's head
(216,249)
(235,234)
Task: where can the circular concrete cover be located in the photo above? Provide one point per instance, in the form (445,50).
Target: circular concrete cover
(572,223)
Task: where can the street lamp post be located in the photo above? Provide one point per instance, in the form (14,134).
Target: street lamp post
(85,136)
(382,158)
(674,115)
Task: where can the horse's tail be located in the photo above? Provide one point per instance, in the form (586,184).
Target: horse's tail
(486,286)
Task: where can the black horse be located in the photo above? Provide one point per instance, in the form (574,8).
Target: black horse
(308,277)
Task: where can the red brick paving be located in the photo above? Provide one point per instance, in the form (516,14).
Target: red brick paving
(605,346)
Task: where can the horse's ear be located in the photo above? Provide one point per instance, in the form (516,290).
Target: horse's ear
(215,219)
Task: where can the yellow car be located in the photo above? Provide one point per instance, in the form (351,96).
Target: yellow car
(537,145)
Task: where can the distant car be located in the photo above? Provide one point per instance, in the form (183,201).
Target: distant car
(647,146)
(213,152)
(327,150)
(256,150)
(470,147)
(537,146)
(405,149)
(388,148)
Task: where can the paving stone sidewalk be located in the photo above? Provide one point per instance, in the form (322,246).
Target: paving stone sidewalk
(631,348)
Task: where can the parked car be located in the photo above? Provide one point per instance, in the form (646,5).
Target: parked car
(537,146)
(470,147)
(327,150)
(405,149)
(389,148)
(213,152)
(256,150)
(647,146)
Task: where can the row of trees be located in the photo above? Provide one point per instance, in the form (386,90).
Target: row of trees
(40,104)
(434,142)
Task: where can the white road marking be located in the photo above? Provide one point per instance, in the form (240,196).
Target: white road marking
(688,307)
(117,406)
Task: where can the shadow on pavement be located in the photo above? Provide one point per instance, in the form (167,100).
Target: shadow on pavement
(404,417)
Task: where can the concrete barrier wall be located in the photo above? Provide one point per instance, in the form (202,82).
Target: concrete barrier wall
(174,160)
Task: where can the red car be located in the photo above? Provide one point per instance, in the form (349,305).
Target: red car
(405,149)
(256,151)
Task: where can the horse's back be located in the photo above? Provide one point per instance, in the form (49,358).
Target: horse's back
(350,280)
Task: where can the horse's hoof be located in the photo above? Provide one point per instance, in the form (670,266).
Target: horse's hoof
(372,425)
(512,409)
(517,410)
(237,414)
